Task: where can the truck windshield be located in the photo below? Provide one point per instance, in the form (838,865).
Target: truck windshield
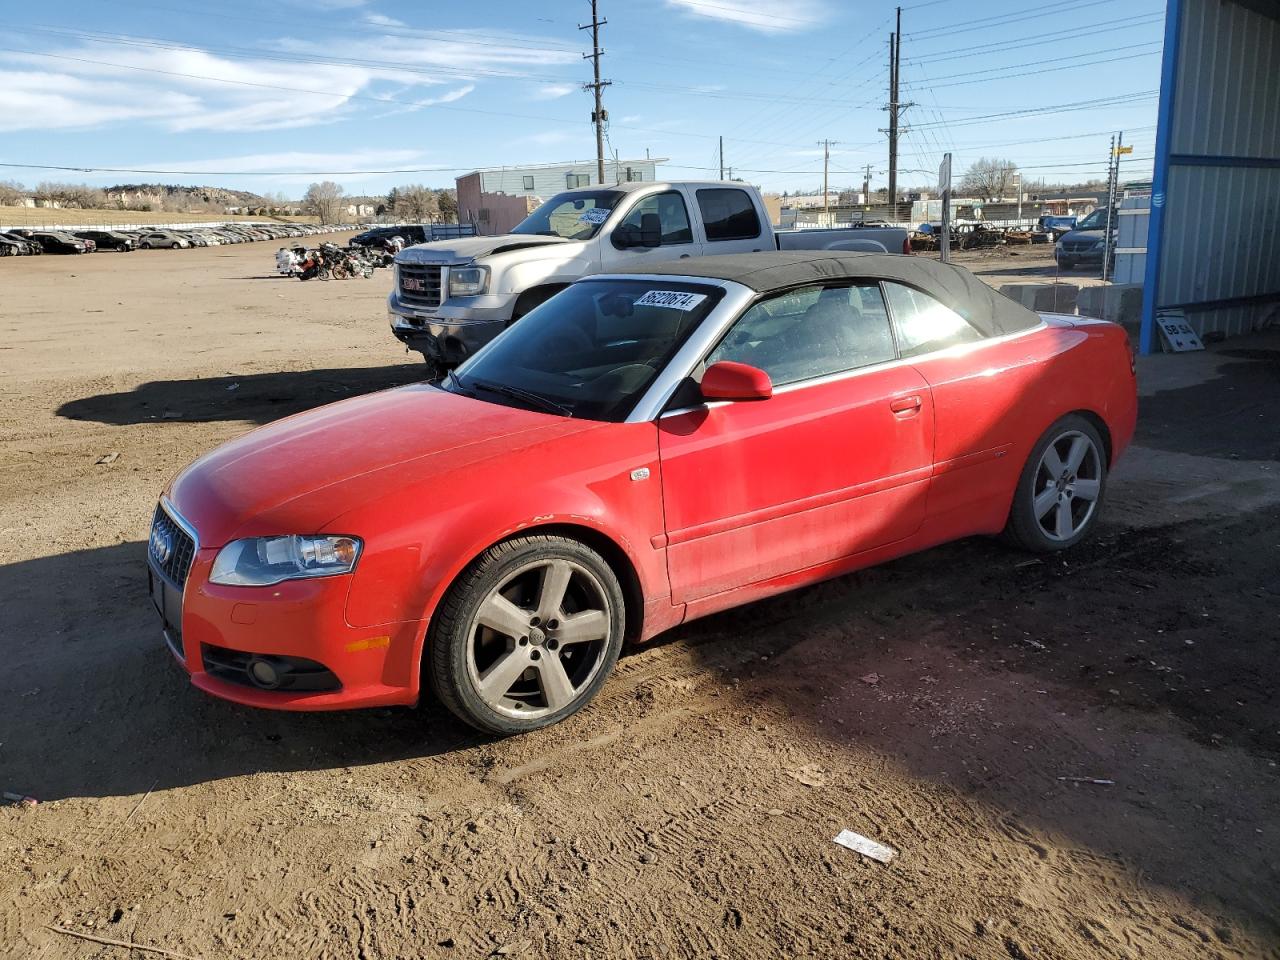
(577,215)
(591,351)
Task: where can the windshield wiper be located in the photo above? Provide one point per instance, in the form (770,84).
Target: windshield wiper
(457,383)
(528,396)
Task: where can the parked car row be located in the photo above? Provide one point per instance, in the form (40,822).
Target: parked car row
(17,243)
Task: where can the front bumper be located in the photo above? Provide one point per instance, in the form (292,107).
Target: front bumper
(452,332)
(213,630)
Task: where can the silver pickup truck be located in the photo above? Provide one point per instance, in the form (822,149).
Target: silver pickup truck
(451,297)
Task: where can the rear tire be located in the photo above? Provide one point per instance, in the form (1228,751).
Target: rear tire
(1061,488)
(527,635)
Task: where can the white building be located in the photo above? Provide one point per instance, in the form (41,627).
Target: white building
(497,198)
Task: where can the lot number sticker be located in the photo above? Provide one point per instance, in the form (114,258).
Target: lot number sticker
(671,299)
(596,215)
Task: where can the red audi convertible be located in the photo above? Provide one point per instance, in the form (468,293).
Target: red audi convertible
(640,450)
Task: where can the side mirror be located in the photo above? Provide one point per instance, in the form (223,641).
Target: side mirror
(729,380)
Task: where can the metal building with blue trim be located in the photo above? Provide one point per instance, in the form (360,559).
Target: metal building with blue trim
(1213,246)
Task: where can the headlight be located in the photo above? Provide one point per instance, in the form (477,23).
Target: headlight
(263,561)
(468,281)
(1100,245)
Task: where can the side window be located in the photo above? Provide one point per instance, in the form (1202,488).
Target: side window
(728,214)
(925,325)
(575,180)
(528,183)
(666,212)
(811,332)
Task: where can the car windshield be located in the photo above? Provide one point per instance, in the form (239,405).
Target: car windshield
(591,351)
(576,215)
(1094,221)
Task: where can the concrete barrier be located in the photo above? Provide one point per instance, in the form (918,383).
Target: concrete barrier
(1117,302)
(1043,297)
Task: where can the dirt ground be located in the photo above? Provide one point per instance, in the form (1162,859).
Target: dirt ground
(943,704)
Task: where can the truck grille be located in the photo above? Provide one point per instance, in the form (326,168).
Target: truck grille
(420,284)
(1078,246)
(170,548)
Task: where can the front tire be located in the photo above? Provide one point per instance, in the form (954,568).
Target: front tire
(1066,264)
(1061,488)
(527,635)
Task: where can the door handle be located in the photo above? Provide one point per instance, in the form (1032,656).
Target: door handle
(684,256)
(906,406)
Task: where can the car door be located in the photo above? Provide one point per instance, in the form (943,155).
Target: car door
(730,221)
(662,216)
(836,462)
(979,386)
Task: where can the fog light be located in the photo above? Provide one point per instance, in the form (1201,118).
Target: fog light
(263,674)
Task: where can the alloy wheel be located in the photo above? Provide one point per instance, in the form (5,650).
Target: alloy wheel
(538,638)
(1067,485)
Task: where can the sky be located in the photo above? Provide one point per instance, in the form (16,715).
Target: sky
(377,93)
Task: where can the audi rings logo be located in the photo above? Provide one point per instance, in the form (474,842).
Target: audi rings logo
(161,544)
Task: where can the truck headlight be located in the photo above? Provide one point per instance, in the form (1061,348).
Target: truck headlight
(263,561)
(468,281)
(1100,245)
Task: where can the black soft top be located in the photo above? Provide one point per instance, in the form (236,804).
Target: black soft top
(991,313)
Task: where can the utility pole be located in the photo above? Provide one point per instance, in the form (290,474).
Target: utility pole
(826,159)
(1113,186)
(895,108)
(866,187)
(599,115)
(722,158)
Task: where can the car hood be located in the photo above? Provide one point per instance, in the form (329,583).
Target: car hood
(1082,235)
(468,248)
(278,474)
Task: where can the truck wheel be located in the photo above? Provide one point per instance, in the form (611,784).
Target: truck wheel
(1066,263)
(527,635)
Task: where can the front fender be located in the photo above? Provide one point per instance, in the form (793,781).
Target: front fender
(422,534)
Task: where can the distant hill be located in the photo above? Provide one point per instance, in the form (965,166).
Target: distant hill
(191,199)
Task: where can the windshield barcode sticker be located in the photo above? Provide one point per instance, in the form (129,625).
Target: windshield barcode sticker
(671,299)
(595,215)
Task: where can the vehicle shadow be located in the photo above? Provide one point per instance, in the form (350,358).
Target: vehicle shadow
(256,397)
(1230,417)
(96,706)
(984,675)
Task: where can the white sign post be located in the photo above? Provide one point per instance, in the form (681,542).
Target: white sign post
(944,190)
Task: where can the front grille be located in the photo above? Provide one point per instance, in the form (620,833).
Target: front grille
(171,548)
(420,284)
(1078,246)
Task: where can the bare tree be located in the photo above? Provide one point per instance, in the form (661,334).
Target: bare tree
(447,200)
(416,202)
(11,193)
(989,178)
(324,200)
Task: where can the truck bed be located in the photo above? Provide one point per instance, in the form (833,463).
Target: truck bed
(859,239)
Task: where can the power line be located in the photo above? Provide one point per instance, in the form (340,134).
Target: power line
(1036,73)
(969,52)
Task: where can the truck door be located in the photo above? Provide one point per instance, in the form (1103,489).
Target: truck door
(656,228)
(730,221)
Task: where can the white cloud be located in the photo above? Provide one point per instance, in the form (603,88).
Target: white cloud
(382,20)
(191,89)
(761,15)
(552,138)
(554,91)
